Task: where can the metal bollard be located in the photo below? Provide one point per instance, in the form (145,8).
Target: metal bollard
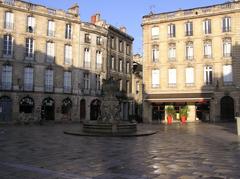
(238,125)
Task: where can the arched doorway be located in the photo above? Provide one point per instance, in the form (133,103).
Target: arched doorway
(48,109)
(5,108)
(67,108)
(26,105)
(227,109)
(82,109)
(95,109)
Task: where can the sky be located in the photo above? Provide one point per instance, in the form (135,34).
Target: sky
(126,13)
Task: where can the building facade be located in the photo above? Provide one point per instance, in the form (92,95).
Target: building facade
(51,63)
(191,57)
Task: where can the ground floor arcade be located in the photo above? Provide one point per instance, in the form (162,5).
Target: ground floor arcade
(54,107)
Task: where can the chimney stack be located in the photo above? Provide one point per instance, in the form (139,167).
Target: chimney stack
(95,18)
(123,29)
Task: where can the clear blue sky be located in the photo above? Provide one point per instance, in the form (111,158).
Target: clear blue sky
(126,12)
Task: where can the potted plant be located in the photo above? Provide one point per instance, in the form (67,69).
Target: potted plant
(184,114)
(170,114)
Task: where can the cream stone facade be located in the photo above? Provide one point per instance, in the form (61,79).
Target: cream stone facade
(51,63)
(191,57)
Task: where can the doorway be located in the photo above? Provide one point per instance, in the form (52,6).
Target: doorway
(227,109)
(5,108)
(95,109)
(48,109)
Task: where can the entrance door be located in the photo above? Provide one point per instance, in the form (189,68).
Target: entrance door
(5,108)
(158,113)
(48,109)
(26,105)
(227,109)
(82,109)
(95,109)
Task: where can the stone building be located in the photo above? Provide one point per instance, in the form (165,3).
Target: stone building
(51,63)
(192,58)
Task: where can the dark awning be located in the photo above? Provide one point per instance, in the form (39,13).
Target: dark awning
(179,97)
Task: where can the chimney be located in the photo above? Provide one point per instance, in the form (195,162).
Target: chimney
(123,29)
(95,18)
(74,9)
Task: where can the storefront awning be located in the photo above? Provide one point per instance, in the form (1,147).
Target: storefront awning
(179,97)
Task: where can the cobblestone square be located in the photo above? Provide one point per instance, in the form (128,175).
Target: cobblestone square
(177,151)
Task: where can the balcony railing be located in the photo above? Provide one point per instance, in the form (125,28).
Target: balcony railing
(7,54)
(50,59)
(48,88)
(67,89)
(8,25)
(226,29)
(227,55)
(6,86)
(29,56)
(28,87)
(208,56)
(172,85)
(155,85)
(99,66)
(30,29)
(171,35)
(189,33)
(189,57)
(87,64)
(227,83)
(189,84)
(9,2)
(51,33)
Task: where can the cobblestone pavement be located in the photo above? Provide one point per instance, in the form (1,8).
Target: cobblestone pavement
(178,151)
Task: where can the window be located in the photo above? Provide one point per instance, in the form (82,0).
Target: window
(189,51)
(227,75)
(208,75)
(207,29)
(120,65)
(189,76)
(68,55)
(128,67)
(99,60)
(99,40)
(155,78)
(7,77)
(155,53)
(29,48)
(208,49)
(87,60)
(226,24)
(189,29)
(172,77)
(137,87)
(67,84)
(120,85)
(9,21)
(155,32)
(128,86)
(120,46)
(112,63)
(172,52)
(98,82)
(49,80)
(30,24)
(51,28)
(86,81)
(227,46)
(171,30)
(128,49)
(68,31)
(87,38)
(113,46)
(7,46)
(28,79)
(50,52)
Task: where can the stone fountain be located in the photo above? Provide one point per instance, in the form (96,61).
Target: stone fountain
(109,120)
